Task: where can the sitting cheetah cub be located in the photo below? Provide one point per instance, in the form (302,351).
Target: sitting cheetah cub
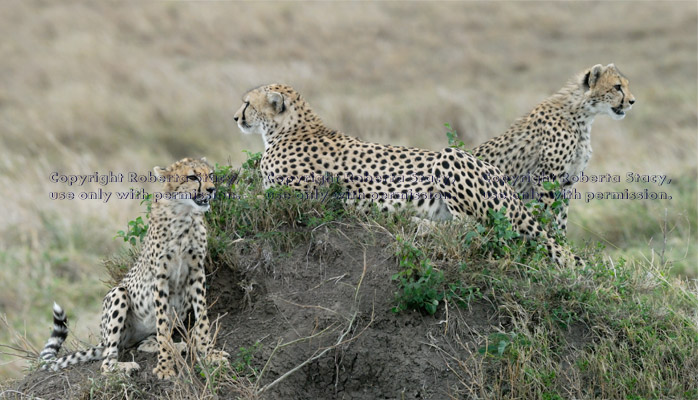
(166,281)
(553,141)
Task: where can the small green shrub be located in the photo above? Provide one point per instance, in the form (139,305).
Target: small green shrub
(137,228)
(242,364)
(452,137)
(502,232)
(547,216)
(252,161)
(419,284)
(504,345)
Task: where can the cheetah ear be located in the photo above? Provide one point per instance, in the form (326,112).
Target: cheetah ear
(159,172)
(592,76)
(276,100)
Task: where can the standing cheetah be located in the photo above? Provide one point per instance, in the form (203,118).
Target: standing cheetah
(166,282)
(553,141)
(299,149)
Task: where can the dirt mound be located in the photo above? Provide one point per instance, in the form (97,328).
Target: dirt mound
(322,313)
(306,313)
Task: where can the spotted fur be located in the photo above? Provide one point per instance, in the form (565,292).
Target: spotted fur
(165,282)
(553,141)
(440,185)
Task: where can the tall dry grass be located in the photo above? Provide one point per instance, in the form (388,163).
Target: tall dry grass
(104,87)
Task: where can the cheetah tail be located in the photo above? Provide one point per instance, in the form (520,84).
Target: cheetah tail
(58,335)
(92,354)
(54,343)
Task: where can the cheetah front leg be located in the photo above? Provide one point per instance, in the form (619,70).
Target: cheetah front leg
(114,312)
(165,366)
(197,298)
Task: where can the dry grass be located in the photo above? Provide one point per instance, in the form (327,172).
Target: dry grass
(123,87)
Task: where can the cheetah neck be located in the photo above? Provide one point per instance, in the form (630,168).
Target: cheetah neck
(572,100)
(573,97)
(301,119)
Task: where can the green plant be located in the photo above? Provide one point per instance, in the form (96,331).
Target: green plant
(242,364)
(503,345)
(252,161)
(419,284)
(501,226)
(462,294)
(137,228)
(500,239)
(547,215)
(501,233)
(224,175)
(452,137)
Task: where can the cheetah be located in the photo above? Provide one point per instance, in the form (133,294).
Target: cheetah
(553,142)
(300,150)
(165,282)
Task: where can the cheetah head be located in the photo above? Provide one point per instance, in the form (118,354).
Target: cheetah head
(266,109)
(607,91)
(188,182)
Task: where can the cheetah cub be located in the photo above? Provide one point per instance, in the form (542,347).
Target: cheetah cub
(553,141)
(165,282)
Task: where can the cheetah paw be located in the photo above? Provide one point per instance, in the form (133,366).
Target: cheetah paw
(164,372)
(126,368)
(217,356)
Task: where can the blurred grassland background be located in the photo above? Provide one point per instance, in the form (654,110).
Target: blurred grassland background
(123,87)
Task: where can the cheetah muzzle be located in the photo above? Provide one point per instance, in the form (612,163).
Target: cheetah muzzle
(619,110)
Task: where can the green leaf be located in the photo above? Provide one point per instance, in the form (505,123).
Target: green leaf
(502,346)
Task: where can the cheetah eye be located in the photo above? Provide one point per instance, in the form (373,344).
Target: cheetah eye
(193,178)
(617,87)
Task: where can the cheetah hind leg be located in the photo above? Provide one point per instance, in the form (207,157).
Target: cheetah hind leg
(469,187)
(114,309)
(150,345)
